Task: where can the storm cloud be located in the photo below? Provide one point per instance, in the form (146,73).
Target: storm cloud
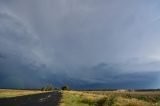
(83,43)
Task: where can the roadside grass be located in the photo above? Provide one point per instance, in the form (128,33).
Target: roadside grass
(86,98)
(6,93)
(132,102)
(77,98)
(126,93)
(152,99)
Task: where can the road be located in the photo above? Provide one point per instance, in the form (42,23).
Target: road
(44,99)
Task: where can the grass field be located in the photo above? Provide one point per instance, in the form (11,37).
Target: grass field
(110,98)
(7,93)
(96,98)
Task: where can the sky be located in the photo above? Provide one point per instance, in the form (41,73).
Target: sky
(82,43)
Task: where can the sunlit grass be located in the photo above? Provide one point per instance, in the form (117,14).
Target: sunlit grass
(76,98)
(5,93)
(73,98)
(89,98)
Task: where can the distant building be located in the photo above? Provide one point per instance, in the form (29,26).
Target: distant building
(121,90)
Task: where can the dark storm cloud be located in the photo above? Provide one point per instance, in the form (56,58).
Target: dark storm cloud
(2,56)
(110,76)
(104,43)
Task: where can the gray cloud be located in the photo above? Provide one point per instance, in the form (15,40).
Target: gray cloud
(96,42)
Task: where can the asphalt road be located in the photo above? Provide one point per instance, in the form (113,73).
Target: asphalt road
(45,99)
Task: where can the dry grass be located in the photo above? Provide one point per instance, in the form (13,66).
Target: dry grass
(77,98)
(131,102)
(92,98)
(85,94)
(6,93)
(124,93)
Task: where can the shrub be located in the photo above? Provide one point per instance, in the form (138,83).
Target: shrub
(47,88)
(65,87)
(43,89)
(149,98)
(107,101)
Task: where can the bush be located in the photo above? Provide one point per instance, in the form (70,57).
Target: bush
(65,87)
(43,89)
(107,101)
(149,98)
(47,88)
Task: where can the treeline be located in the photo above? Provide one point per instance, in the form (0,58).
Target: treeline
(50,87)
(118,89)
(96,89)
(147,90)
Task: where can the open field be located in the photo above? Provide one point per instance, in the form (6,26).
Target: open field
(110,98)
(79,98)
(7,93)
(124,93)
